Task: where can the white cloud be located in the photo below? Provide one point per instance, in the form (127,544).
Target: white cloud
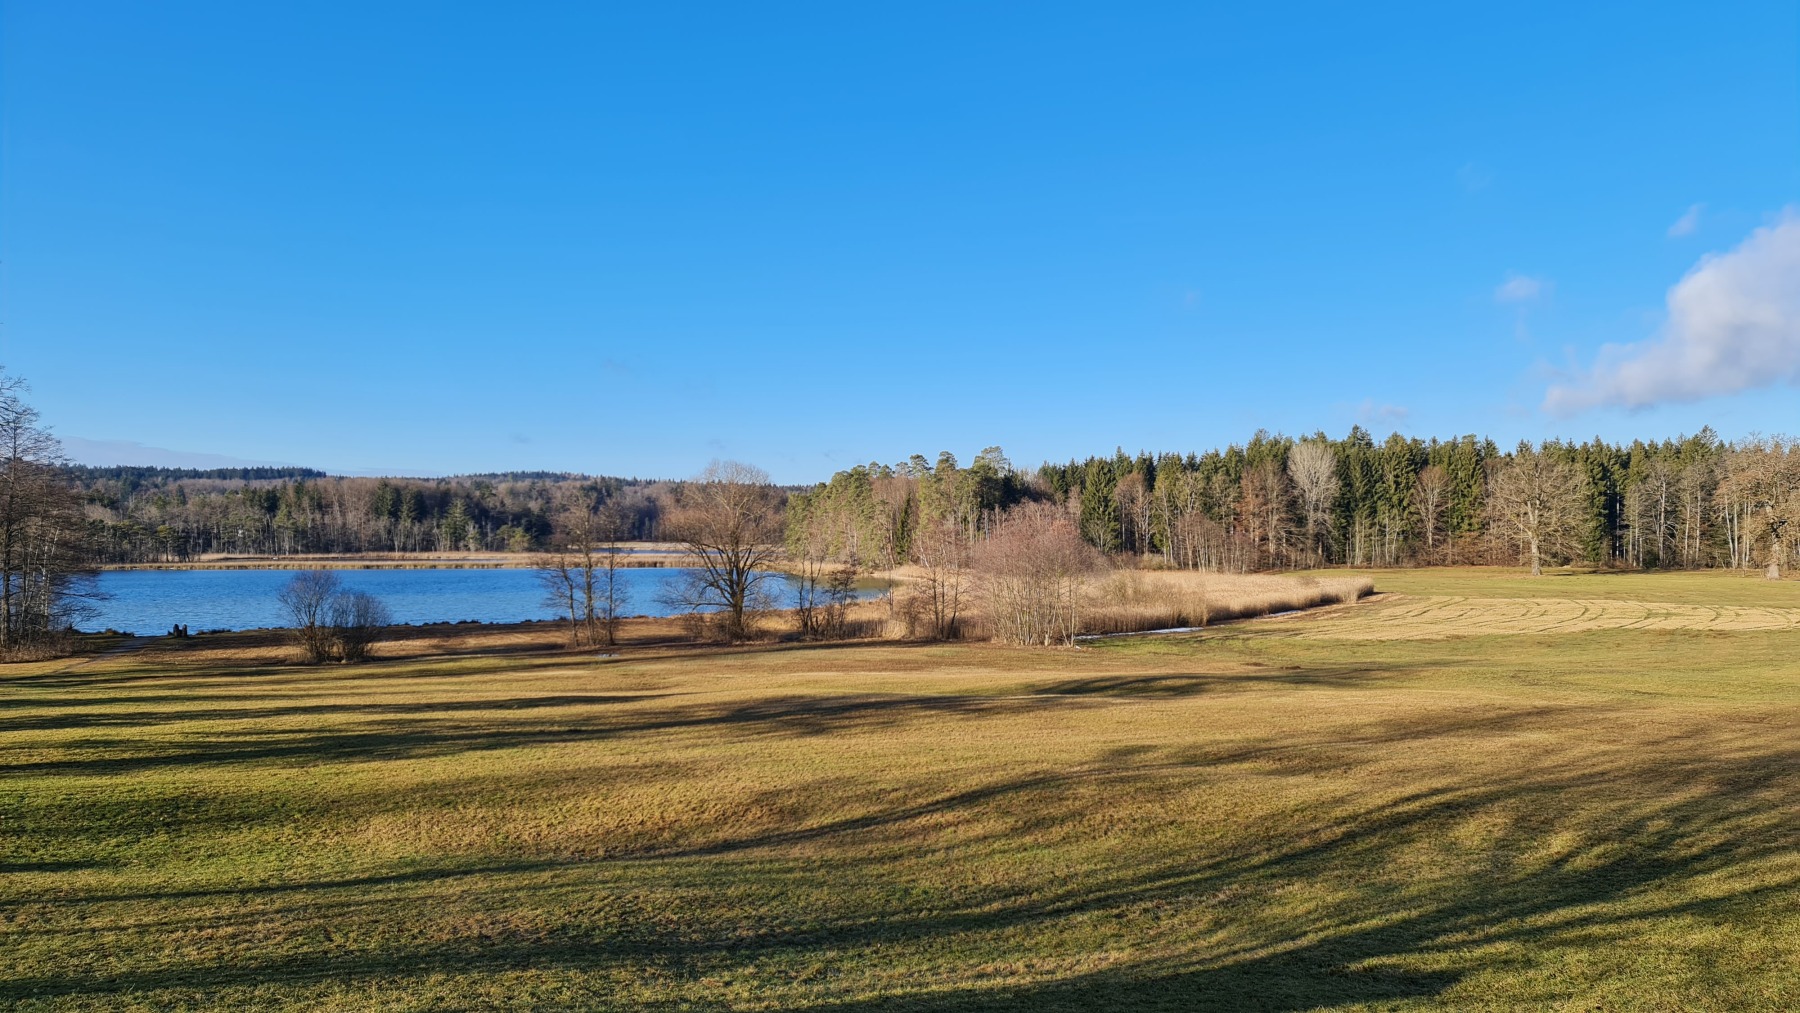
(1688,223)
(1733,325)
(1521,288)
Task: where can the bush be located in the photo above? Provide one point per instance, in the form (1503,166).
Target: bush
(1032,576)
(330,622)
(357,620)
(307,600)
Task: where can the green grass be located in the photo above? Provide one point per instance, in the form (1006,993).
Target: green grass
(1243,819)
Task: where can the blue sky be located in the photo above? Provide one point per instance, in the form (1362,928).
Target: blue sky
(631,238)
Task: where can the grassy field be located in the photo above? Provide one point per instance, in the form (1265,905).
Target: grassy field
(1552,809)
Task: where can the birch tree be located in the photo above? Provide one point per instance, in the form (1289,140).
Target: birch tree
(1313,468)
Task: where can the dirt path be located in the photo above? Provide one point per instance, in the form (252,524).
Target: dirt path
(132,645)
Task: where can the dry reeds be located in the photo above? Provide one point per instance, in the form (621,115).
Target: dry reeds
(1134,601)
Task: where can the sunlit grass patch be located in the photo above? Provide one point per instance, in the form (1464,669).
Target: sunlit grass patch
(1234,819)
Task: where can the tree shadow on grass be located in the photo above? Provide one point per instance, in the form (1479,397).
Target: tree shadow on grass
(215,707)
(461,731)
(1689,837)
(143,673)
(1195,683)
(1641,839)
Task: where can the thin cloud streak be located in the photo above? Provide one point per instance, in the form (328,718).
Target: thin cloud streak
(1521,288)
(1688,223)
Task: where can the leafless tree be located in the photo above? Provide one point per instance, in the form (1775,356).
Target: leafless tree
(1263,507)
(580,574)
(558,573)
(834,613)
(45,576)
(1431,493)
(1535,503)
(1759,500)
(1313,467)
(1033,569)
(935,602)
(307,600)
(357,622)
(729,522)
(809,554)
(606,558)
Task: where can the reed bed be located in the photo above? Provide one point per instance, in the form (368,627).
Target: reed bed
(1135,601)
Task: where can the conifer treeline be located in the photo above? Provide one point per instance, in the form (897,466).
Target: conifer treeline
(1278,502)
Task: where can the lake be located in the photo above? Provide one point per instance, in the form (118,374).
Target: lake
(148,602)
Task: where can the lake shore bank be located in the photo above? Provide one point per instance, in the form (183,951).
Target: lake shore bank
(637,554)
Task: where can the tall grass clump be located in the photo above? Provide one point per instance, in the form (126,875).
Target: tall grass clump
(1134,601)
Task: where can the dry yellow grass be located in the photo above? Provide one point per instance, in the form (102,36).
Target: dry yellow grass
(1421,617)
(1599,819)
(1131,601)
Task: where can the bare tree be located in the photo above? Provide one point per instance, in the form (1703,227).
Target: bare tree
(558,574)
(1263,508)
(1431,494)
(1759,499)
(840,593)
(580,574)
(1034,568)
(307,600)
(605,559)
(46,580)
(1313,467)
(728,521)
(1535,502)
(357,622)
(936,602)
(809,552)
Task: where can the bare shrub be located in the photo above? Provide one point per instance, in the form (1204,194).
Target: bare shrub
(833,621)
(357,621)
(307,601)
(934,605)
(1033,571)
(330,622)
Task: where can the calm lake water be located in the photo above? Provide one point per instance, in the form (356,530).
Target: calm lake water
(148,602)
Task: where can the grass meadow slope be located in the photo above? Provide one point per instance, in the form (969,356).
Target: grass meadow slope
(1473,790)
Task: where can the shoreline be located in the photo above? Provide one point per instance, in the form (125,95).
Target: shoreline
(639,555)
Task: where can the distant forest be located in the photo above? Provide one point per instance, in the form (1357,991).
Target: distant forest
(169,514)
(1276,502)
